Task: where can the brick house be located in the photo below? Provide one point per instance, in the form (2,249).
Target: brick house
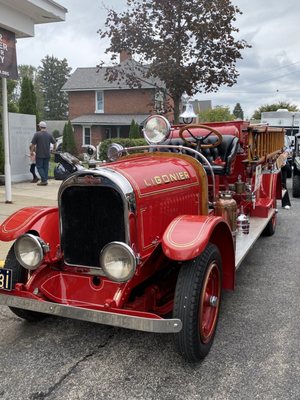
(99,109)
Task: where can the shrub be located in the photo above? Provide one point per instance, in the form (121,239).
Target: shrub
(68,143)
(56,133)
(134,131)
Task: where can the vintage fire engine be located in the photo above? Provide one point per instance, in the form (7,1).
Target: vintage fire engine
(149,240)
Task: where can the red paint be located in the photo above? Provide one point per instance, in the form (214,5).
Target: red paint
(171,223)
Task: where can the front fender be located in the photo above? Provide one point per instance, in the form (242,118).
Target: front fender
(42,220)
(188,235)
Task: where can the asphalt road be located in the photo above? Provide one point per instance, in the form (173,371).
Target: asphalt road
(256,353)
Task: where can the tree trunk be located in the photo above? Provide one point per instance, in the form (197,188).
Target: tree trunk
(176,109)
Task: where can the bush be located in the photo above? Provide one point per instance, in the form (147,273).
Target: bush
(68,143)
(134,131)
(125,142)
(56,133)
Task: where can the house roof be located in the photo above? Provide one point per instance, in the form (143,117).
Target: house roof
(54,125)
(109,119)
(93,78)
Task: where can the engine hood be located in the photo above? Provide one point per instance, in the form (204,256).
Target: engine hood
(156,173)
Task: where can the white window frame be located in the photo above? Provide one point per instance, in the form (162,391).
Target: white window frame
(83,135)
(97,110)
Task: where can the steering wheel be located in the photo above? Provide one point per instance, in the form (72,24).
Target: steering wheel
(200,139)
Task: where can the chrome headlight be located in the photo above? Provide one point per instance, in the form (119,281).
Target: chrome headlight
(114,151)
(118,261)
(30,251)
(156,129)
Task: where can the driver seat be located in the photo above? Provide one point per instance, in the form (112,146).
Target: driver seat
(221,157)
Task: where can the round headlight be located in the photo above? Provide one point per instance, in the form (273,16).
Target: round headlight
(156,129)
(29,251)
(113,151)
(118,261)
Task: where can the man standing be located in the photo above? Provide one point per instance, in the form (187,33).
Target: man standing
(41,145)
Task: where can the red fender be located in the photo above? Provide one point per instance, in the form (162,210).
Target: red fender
(187,236)
(43,220)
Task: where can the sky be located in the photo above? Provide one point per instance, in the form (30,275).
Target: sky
(268,73)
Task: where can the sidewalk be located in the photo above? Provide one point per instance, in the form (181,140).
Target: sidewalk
(25,194)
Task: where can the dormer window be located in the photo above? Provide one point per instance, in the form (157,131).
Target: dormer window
(99,101)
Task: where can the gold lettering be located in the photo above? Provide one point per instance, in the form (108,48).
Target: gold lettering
(173,177)
(165,178)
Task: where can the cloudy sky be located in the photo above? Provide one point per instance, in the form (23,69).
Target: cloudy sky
(269,71)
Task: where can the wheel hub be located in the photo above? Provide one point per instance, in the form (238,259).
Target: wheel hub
(213,301)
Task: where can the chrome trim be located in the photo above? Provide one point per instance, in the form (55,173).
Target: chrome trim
(98,317)
(119,183)
(43,248)
(168,128)
(131,254)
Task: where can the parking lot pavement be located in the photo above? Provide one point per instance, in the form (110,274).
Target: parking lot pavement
(25,194)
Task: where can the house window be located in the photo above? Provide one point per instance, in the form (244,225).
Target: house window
(86,135)
(108,133)
(99,101)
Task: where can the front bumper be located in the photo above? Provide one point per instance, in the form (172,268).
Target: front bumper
(98,317)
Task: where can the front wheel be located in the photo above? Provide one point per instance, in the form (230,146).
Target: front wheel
(197,303)
(20,275)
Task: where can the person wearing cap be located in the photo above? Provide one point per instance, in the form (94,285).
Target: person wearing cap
(40,144)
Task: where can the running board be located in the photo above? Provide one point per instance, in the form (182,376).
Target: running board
(245,242)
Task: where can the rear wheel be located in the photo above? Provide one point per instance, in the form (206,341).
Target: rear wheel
(20,275)
(271,226)
(197,303)
(296,186)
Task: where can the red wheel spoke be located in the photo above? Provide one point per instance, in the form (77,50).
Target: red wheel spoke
(209,303)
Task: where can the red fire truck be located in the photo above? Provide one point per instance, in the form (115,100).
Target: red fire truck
(149,240)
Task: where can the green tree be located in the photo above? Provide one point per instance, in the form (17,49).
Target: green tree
(12,107)
(189,45)
(68,143)
(52,75)
(218,113)
(30,72)
(27,102)
(238,112)
(11,86)
(274,107)
(134,131)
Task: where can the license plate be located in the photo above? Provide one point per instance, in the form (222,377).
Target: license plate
(5,279)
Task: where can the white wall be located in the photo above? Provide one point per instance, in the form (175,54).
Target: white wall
(21,129)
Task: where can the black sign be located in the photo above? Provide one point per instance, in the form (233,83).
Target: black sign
(5,279)
(8,57)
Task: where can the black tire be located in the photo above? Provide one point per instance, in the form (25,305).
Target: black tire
(271,226)
(296,186)
(199,280)
(20,275)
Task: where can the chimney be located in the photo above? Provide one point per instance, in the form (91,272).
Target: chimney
(125,55)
